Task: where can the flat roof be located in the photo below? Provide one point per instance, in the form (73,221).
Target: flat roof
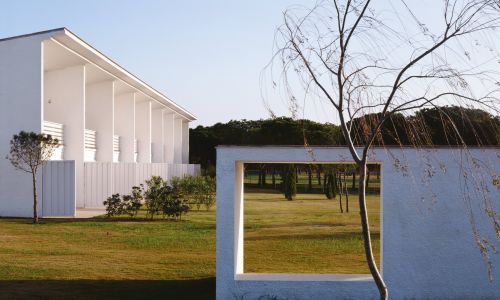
(68,39)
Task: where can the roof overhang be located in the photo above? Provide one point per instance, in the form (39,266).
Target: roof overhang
(75,44)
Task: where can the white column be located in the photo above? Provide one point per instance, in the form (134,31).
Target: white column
(125,125)
(64,102)
(168,124)
(157,135)
(185,142)
(99,116)
(143,129)
(178,141)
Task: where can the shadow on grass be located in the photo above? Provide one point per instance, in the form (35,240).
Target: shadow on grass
(339,236)
(93,219)
(108,289)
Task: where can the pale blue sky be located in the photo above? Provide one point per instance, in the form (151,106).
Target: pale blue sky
(205,55)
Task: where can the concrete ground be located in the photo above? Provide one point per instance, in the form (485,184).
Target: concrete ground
(89,212)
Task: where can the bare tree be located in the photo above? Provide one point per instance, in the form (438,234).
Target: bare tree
(29,151)
(388,58)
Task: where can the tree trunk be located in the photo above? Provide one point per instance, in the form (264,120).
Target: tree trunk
(309,177)
(325,177)
(35,199)
(366,233)
(346,195)
(339,188)
(367,177)
(354,179)
(264,171)
(273,177)
(318,174)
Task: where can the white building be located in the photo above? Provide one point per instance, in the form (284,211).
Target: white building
(115,130)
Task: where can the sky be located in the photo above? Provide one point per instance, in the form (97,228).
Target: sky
(205,55)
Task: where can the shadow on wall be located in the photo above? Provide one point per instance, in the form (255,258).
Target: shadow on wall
(109,289)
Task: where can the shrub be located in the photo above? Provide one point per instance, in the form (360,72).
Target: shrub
(160,198)
(132,203)
(173,205)
(196,190)
(124,205)
(113,205)
(208,192)
(153,195)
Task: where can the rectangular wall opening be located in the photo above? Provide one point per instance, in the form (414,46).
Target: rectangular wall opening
(319,230)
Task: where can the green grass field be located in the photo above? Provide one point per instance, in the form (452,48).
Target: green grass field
(306,235)
(120,258)
(108,259)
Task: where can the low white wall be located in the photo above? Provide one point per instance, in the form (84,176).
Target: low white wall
(57,193)
(428,250)
(102,179)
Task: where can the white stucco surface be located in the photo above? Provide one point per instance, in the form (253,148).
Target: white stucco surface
(125,125)
(428,249)
(99,116)
(21,96)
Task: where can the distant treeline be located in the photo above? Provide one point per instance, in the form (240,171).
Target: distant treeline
(425,127)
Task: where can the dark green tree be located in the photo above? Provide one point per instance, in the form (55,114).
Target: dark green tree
(289,184)
(330,186)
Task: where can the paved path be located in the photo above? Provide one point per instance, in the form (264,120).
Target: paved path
(89,212)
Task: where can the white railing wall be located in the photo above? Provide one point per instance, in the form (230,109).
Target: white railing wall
(102,179)
(55,130)
(90,139)
(57,189)
(90,142)
(116,148)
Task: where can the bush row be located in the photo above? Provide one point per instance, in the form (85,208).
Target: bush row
(160,198)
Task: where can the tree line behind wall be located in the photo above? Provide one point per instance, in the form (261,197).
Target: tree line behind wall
(424,127)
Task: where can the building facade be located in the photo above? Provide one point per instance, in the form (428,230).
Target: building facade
(55,83)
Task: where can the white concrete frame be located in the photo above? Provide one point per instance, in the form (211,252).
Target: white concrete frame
(426,239)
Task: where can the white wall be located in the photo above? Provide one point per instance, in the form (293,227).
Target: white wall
(64,99)
(169,126)
(428,249)
(21,88)
(102,179)
(157,135)
(57,193)
(178,140)
(99,116)
(143,129)
(125,125)
(185,142)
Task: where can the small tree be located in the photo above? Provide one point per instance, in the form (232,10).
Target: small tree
(29,151)
(330,185)
(289,182)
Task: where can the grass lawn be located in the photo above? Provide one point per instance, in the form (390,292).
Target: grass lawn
(108,259)
(306,235)
(120,258)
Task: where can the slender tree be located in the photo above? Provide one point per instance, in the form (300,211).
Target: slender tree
(374,57)
(289,181)
(29,151)
(338,181)
(346,194)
